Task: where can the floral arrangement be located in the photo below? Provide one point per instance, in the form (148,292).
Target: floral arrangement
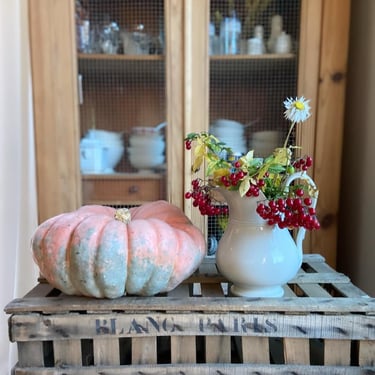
(279,204)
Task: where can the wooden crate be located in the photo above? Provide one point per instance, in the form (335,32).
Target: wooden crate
(323,325)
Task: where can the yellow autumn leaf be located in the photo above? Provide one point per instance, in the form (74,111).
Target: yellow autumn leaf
(221,172)
(282,156)
(244,186)
(246,159)
(197,163)
(199,150)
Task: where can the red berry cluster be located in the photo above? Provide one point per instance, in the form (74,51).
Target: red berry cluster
(236,177)
(200,194)
(188,144)
(291,212)
(303,163)
(294,211)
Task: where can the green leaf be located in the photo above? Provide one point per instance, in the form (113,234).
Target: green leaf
(276,168)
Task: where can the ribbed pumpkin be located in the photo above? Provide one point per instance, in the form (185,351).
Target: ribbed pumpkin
(95,252)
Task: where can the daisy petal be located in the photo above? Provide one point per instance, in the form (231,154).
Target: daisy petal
(297,110)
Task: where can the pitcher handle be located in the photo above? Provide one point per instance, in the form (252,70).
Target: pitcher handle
(302,176)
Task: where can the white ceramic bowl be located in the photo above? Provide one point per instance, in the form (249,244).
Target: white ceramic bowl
(114,154)
(228,124)
(145,162)
(237,145)
(151,149)
(263,150)
(266,136)
(145,131)
(146,142)
(111,150)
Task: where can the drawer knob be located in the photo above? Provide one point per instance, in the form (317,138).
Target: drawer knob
(133,189)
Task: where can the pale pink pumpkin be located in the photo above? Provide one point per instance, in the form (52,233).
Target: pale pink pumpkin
(90,252)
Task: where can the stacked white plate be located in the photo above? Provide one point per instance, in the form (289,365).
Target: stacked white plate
(146,151)
(264,142)
(231,133)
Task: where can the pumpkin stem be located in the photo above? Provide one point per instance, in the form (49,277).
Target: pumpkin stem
(123,215)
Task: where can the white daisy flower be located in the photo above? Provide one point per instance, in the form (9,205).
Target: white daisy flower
(297,110)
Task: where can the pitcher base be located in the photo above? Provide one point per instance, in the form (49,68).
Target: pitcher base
(257,291)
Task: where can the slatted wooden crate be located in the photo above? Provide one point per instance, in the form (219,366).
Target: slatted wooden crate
(323,325)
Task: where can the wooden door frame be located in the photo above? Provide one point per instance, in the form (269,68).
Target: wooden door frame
(55,101)
(324,43)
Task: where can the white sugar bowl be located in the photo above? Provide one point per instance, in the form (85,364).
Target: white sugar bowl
(93,156)
(113,143)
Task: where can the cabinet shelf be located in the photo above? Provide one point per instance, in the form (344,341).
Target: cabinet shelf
(147,66)
(127,66)
(101,56)
(122,176)
(265,57)
(235,66)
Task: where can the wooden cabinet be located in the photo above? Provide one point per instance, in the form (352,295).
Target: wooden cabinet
(186,87)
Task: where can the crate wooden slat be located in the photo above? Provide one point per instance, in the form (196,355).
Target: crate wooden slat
(199,369)
(323,324)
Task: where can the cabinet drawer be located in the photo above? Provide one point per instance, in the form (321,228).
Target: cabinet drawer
(122,189)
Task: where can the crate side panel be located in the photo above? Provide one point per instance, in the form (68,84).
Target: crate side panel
(36,327)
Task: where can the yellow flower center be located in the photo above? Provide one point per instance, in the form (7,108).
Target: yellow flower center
(299,105)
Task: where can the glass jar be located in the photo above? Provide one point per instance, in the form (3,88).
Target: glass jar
(230,34)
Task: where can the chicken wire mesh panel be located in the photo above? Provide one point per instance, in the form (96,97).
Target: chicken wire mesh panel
(253,47)
(121,67)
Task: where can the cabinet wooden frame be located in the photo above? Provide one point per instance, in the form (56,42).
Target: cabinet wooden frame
(55,101)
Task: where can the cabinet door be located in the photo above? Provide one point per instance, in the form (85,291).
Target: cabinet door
(104,74)
(128,124)
(248,82)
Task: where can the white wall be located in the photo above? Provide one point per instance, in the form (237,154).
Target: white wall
(356,254)
(18,216)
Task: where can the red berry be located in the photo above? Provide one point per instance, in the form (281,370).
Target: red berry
(307,201)
(299,192)
(309,161)
(312,211)
(289,202)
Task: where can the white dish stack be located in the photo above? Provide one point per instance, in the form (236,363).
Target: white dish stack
(264,142)
(231,133)
(146,151)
